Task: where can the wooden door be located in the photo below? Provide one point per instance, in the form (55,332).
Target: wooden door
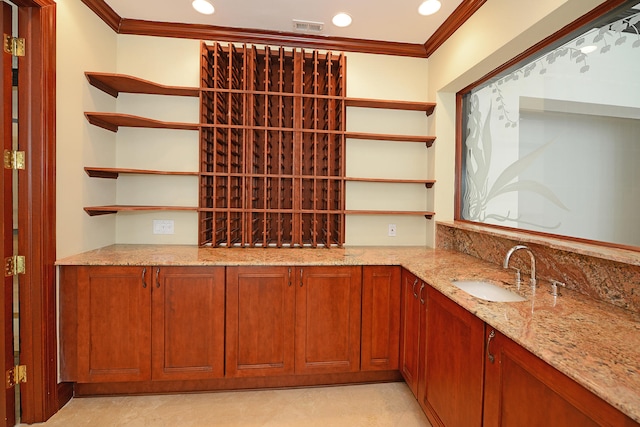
(410,329)
(260,321)
(450,385)
(114,323)
(380,317)
(7,395)
(521,389)
(328,301)
(187,322)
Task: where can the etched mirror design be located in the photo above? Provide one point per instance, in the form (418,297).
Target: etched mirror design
(553,144)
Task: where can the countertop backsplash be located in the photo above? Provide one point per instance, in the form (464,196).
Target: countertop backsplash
(606,274)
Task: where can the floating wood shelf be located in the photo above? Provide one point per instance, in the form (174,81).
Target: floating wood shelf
(113,173)
(113,121)
(427,182)
(114,84)
(426,214)
(427,107)
(111,209)
(428,140)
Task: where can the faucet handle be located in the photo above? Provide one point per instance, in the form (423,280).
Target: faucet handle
(554,287)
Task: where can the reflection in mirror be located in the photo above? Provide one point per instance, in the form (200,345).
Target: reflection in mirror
(553,144)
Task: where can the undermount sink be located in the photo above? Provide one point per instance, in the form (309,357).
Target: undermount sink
(487,291)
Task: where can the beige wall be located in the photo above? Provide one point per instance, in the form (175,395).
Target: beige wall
(498,31)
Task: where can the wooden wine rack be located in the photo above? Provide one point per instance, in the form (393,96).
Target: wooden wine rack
(272,145)
(272,171)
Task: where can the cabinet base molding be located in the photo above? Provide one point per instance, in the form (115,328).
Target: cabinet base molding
(227,384)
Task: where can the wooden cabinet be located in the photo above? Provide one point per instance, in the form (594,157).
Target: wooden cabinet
(412,304)
(521,389)
(143,323)
(380,318)
(260,321)
(284,320)
(114,324)
(450,385)
(187,323)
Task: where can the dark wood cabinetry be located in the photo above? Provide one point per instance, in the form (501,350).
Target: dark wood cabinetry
(521,389)
(380,318)
(142,323)
(286,320)
(450,386)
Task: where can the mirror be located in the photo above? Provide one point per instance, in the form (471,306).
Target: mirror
(552,144)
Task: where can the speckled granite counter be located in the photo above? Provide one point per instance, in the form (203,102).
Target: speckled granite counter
(595,343)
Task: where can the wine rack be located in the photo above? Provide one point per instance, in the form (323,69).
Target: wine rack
(272,147)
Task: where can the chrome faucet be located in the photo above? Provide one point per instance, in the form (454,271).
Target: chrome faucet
(533,262)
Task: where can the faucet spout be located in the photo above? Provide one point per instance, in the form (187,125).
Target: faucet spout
(511,251)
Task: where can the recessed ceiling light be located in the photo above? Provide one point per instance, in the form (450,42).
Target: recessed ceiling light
(341,20)
(429,7)
(203,6)
(588,49)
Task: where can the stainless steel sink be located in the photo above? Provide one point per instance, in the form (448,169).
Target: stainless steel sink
(487,291)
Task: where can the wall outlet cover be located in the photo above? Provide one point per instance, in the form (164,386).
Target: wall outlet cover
(163,226)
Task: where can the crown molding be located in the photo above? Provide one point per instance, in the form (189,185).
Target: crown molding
(459,16)
(211,32)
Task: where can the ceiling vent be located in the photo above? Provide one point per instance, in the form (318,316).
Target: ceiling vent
(307,26)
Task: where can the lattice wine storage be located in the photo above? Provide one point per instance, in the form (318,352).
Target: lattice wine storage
(272,147)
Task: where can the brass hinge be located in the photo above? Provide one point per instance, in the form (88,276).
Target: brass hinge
(14,45)
(16,375)
(13,159)
(14,265)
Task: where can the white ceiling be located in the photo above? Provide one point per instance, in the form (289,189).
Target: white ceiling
(396,20)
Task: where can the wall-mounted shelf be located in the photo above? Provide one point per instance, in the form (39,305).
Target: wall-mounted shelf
(427,182)
(426,214)
(427,107)
(113,173)
(428,140)
(114,84)
(113,121)
(111,209)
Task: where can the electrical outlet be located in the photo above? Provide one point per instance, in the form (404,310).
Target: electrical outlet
(392,230)
(163,226)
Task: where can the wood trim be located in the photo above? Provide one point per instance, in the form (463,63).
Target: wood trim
(427,107)
(114,84)
(37,209)
(111,209)
(145,387)
(113,121)
(113,173)
(209,32)
(105,12)
(459,16)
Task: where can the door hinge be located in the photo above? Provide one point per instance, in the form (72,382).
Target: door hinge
(14,265)
(14,45)
(16,375)
(13,159)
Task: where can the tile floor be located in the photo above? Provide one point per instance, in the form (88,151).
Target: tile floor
(384,405)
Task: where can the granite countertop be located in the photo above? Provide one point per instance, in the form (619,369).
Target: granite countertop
(596,344)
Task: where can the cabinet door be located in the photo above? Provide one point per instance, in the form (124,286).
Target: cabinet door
(410,328)
(260,321)
(188,322)
(114,324)
(328,319)
(521,389)
(380,318)
(450,385)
